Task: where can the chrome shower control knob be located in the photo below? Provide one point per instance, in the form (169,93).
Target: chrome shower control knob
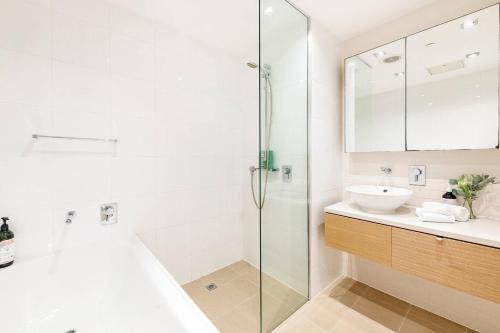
(109,213)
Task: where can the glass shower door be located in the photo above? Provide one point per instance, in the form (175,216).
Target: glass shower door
(283,155)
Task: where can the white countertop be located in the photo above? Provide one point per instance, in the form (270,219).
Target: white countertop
(480,231)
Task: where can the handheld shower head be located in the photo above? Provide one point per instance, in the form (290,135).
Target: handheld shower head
(265,70)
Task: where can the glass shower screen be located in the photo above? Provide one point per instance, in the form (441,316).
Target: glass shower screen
(283,156)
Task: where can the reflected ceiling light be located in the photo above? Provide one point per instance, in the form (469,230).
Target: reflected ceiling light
(469,24)
(399,73)
(269,11)
(472,55)
(379,54)
(430,44)
(351,64)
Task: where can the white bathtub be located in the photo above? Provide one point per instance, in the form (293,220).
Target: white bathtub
(103,288)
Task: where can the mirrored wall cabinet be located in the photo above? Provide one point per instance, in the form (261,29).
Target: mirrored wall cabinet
(434,90)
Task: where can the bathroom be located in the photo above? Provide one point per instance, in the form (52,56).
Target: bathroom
(226,166)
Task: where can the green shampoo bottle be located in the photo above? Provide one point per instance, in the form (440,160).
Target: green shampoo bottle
(6,244)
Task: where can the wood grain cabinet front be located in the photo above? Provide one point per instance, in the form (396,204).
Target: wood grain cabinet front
(365,239)
(468,267)
(472,268)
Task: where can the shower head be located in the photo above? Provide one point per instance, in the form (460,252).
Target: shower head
(265,70)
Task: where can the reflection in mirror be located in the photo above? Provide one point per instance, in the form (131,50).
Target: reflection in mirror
(452,80)
(375,99)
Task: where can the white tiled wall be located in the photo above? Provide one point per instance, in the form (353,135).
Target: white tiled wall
(177,104)
(325,152)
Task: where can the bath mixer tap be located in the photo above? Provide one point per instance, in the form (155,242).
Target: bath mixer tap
(70,216)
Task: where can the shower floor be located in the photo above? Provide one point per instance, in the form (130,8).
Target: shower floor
(234,306)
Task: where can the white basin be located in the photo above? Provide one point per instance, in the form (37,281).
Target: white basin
(379,199)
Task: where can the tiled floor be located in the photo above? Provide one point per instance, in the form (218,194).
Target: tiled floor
(234,306)
(352,307)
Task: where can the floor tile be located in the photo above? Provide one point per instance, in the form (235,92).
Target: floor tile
(348,292)
(421,321)
(353,307)
(382,308)
(242,268)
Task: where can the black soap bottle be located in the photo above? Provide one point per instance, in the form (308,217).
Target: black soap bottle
(6,244)
(449,197)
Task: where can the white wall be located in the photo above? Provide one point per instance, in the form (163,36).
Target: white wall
(175,102)
(325,151)
(363,168)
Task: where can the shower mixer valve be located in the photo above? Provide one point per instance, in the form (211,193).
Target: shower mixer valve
(287,173)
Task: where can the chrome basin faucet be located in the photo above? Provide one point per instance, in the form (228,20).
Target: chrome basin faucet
(387,176)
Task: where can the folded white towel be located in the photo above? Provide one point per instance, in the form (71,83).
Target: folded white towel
(426,216)
(458,212)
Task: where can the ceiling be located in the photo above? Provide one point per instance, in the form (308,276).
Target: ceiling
(347,19)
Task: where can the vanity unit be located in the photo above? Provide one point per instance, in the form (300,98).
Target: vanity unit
(464,256)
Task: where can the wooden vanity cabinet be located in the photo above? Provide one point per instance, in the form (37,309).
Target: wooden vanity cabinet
(468,267)
(368,240)
(472,268)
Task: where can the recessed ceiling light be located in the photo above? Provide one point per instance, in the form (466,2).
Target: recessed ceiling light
(469,24)
(379,54)
(390,60)
(472,55)
(430,44)
(399,73)
(269,11)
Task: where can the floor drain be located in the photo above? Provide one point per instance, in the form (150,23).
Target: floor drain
(211,287)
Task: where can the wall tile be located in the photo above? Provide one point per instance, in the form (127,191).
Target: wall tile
(132,57)
(94,11)
(24,78)
(25,27)
(80,89)
(132,96)
(80,43)
(88,68)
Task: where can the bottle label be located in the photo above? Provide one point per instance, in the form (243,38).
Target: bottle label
(6,251)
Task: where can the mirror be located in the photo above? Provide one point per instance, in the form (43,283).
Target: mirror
(375,99)
(452,84)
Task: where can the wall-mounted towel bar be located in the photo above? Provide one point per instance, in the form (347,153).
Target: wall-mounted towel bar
(38,136)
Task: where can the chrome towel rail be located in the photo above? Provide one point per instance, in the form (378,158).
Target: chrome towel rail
(38,136)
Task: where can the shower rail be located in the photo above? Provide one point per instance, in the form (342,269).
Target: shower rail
(39,136)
